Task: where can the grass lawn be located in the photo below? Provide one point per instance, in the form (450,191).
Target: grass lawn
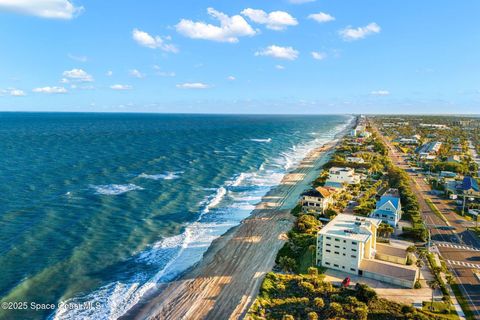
(440,308)
(434,208)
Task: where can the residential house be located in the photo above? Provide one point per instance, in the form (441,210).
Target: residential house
(388,208)
(470,186)
(339,176)
(355,160)
(349,243)
(317,200)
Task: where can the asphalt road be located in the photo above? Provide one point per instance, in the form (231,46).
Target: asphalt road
(456,244)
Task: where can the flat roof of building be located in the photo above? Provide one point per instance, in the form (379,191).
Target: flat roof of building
(389,269)
(390,250)
(347,226)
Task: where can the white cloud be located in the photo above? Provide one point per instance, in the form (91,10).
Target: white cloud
(230,29)
(120,87)
(300,1)
(231,78)
(50,90)
(109,73)
(321,17)
(279,52)
(275,20)
(76,75)
(193,85)
(77,58)
(50,9)
(279,67)
(318,55)
(350,34)
(380,93)
(136,74)
(17,93)
(153,42)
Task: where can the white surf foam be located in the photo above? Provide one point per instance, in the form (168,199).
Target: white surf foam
(114,189)
(262,140)
(161,176)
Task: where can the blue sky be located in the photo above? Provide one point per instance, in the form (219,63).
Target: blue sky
(283,56)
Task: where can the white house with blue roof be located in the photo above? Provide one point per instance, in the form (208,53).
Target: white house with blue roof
(388,208)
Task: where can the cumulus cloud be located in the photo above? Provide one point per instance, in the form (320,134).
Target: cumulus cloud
(193,85)
(350,34)
(229,30)
(318,55)
(49,9)
(153,42)
(50,90)
(17,93)
(136,74)
(380,93)
(121,87)
(76,75)
(231,78)
(275,20)
(279,52)
(109,73)
(279,67)
(321,17)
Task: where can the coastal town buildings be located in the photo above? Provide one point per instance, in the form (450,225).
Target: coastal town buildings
(388,208)
(348,243)
(355,160)
(429,150)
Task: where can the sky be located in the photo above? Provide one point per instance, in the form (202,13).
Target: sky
(223,56)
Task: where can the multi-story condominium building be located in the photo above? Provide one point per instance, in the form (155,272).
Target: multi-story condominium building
(317,200)
(388,208)
(349,244)
(429,150)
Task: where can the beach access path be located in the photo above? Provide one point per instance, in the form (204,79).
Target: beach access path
(226,282)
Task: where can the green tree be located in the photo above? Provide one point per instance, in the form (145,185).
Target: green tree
(312,315)
(434,284)
(319,303)
(287,264)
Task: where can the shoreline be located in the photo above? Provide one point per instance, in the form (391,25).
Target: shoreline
(225,282)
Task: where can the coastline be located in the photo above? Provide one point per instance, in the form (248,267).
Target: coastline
(225,282)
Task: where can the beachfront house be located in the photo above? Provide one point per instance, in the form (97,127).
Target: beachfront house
(388,208)
(337,177)
(317,200)
(349,244)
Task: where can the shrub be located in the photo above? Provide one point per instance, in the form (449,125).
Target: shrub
(319,303)
(335,309)
(364,293)
(417,285)
(288,317)
(313,271)
(312,316)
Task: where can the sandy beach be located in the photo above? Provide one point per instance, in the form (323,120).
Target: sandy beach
(226,281)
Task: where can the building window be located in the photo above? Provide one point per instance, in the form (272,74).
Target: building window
(328,250)
(336,252)
(354,250)
(328,244)
(353,242)
(344,241)
(335,265)
(337,239)
(353,256)
(354,270)
(329,238)
(327,263)
(338,247)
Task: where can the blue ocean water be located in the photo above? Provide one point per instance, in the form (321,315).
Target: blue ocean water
(100,207)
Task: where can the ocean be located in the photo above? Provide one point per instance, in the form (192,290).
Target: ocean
(98,208)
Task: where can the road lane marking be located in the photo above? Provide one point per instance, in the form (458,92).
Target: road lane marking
(456,246)
(463,264)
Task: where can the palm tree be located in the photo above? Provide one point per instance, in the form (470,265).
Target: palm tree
(287,264)
(434,284)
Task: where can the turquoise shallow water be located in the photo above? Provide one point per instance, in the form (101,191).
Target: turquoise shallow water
(100,207)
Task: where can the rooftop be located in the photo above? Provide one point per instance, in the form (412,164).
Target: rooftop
(347,226)
(320,192)
(389,269)
(470,183)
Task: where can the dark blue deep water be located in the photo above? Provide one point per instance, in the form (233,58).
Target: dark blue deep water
(100,207)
